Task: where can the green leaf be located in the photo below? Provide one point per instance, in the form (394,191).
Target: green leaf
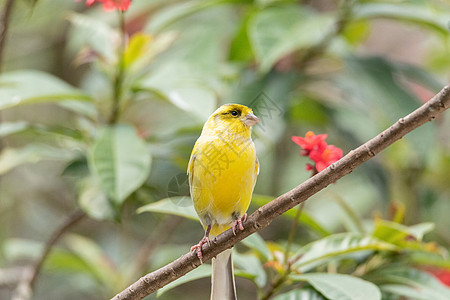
(390,231)
(394,232)
(420,14)
(240,48)
(25,87)
(200,272)
(64,260)
(11,158)
(190,98)
(94,201)
(137,47)
(95,259)
(425,285)
(429,259)
(169,83)
(32,3)
(356,31)
(243,274)
(176,12)
(143,48)
(308,110)
(335,247)
(305,218)
(180,206)
(402,290)
(419,230)
(271,32)
(94,33)
(250,264)
(83,108)
(406,238)
(121,160)
(256,243)
(308,220)
(7,129)
(340,286)
(77,168)
(300,294)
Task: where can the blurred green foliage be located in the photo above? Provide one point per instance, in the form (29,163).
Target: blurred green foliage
(93,121)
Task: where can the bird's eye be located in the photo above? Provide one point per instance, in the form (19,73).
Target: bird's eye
(234,113)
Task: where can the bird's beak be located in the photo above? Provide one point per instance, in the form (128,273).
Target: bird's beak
(250,120)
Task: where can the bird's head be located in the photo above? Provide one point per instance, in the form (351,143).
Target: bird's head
(232,119)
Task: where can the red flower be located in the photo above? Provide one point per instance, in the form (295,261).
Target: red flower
(323,159)
(319,152)
(109,5)
(310,142)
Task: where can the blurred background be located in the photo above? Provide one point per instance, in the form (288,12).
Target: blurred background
(345,68)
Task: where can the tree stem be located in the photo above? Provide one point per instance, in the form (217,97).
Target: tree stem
(120,72)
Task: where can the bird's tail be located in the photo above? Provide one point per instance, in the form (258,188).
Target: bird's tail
(222,280)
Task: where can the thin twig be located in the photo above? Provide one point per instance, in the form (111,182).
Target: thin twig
(267,213)
(120,74)
(24,288)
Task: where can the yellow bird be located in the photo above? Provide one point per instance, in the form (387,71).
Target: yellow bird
(222,174)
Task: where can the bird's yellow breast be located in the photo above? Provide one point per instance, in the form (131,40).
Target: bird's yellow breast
(223,173)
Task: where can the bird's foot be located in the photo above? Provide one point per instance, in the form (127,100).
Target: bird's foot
(199,246)
(238,223)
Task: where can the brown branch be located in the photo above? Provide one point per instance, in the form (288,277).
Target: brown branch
(25,287)
(267,213)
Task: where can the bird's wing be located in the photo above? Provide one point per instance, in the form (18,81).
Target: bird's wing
(190,170)
(256,173)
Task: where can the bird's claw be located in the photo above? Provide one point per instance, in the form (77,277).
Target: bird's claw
(199,246)
(238,223)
